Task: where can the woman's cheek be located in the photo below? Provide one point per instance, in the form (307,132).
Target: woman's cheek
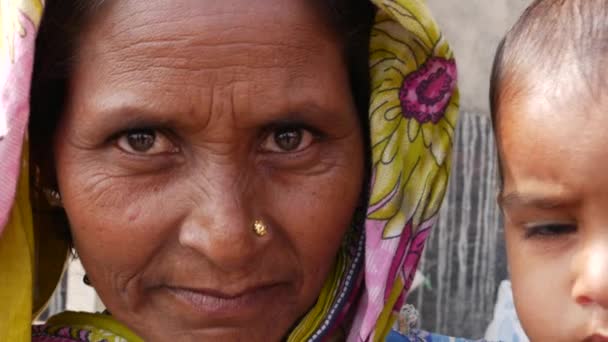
(318,210)
(115,221)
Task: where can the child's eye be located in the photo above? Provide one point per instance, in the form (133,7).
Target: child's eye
(549,230)
(145,142)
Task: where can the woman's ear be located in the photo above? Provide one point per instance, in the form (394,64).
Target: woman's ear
(47,205)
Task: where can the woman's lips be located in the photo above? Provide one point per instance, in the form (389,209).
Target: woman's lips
(222,305)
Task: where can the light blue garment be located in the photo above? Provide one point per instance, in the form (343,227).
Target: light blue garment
(505,325)
(423,336)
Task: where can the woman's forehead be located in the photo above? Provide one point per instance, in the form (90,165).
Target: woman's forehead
(211,22)
(206,36)
(174,58)
(135,25)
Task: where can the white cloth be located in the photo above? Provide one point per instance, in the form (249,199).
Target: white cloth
(505,325)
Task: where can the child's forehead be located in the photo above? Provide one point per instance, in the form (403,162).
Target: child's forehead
(557,95)
(554,139)
(550,111)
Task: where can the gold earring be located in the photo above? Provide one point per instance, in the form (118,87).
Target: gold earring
(259,228)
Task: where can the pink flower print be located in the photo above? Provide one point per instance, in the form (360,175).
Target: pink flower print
(426,92)
(413,256)
(409,251)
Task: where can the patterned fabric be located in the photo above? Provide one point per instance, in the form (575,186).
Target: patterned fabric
(18,24)
(423,336)
(413,112)
(82,327)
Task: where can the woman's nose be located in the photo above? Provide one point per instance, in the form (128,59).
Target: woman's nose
(220,227)
(591,272)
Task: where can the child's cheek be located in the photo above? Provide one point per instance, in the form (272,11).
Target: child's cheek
(541,287)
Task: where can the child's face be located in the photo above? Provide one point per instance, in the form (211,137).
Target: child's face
(554,153)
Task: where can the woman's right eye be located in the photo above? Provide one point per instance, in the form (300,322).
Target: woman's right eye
(145,142)
(549,230)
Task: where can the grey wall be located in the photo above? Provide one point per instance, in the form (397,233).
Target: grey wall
(474,28)
(464,259)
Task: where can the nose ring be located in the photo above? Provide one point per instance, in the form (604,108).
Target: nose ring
(259,228)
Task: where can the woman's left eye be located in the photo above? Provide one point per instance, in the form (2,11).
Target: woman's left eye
(145,142)
(288,140)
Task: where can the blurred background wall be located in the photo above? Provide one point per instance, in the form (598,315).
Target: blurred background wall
(474,28)
(464,259)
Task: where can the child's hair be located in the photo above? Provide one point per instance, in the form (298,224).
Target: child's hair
(552,36)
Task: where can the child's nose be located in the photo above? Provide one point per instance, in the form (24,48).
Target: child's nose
(591,274)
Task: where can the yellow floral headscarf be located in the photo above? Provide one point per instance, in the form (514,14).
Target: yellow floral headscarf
(412,117)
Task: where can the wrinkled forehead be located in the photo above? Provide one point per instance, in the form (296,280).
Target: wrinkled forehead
(238,13)
(185,47)
(232,25)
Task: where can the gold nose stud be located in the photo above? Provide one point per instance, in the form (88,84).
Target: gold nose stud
(259,228)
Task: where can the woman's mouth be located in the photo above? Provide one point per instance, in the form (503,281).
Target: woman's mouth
(223,305)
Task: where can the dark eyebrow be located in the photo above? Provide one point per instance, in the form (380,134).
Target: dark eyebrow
(517,199)
(125,117)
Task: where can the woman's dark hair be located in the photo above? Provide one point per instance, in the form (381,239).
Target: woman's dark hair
(56,54)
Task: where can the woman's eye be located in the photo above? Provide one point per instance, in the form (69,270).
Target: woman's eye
(286,140)
(549,230)
(145,142)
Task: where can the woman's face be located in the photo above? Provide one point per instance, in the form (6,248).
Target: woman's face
(186,122)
